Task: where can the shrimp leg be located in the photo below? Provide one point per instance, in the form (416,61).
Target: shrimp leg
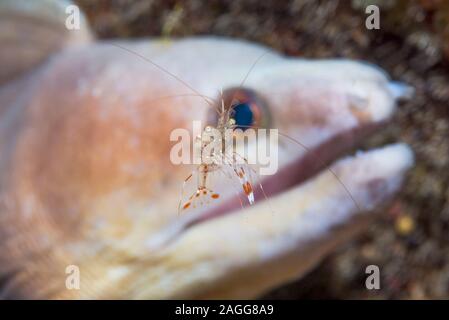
(181,196)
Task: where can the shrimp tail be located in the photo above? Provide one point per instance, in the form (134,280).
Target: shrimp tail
(201,196)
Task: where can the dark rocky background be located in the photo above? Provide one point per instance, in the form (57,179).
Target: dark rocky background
(410,241)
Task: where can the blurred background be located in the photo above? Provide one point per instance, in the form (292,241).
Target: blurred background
(410,241)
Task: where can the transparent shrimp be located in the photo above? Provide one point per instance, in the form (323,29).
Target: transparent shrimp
(219,160)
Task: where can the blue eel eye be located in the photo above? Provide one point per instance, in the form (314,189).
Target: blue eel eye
(248,109)
(243,116)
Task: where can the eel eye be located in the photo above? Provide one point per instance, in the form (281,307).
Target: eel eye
(243,115)
(247,109)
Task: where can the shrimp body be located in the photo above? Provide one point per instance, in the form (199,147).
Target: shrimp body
(219,160)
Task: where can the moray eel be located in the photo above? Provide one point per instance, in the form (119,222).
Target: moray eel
(86,180)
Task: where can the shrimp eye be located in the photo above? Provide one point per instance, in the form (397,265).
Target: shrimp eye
(245,108)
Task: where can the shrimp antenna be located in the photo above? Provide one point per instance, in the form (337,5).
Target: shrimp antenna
(252,67)
(247,75)
(222,101)
(321,162)
(174,76)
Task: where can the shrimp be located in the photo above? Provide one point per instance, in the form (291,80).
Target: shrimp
(219,158)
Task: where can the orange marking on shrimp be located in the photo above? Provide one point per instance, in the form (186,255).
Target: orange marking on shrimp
(186,205)
(215,196)
(247,188)
(239,174)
